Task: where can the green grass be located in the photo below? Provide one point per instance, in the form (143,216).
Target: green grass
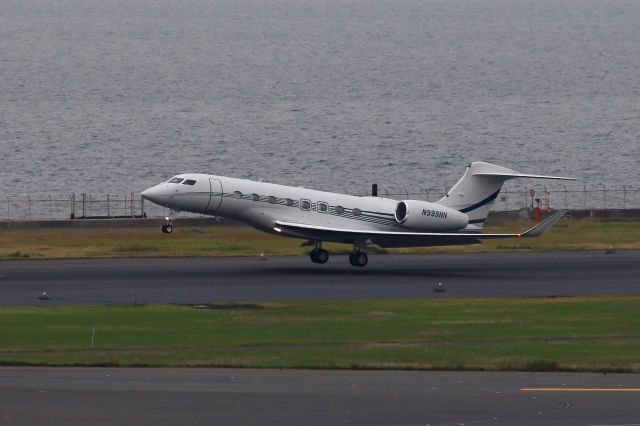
(587,234)
(572,334)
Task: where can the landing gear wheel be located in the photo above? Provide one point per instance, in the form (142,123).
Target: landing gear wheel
(168,225)
(322,256)
(359,259)
(319,255)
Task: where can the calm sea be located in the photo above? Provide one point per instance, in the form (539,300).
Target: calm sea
(112,96)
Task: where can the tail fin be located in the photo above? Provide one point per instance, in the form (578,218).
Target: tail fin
(478,188)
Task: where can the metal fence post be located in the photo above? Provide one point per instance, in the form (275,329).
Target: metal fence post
(624,197)
(585,197)
(8,209)
(142,215)
(108,206)
(84,202)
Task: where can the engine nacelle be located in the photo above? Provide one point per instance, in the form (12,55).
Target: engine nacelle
(429,217)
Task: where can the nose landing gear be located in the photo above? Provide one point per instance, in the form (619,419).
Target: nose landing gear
(167,228)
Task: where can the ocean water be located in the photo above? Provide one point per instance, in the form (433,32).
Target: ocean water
(108,96)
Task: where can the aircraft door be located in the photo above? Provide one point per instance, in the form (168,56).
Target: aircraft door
(216,196)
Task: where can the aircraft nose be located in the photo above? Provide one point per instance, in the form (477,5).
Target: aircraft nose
(153,194)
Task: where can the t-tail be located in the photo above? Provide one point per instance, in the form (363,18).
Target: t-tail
(479,187)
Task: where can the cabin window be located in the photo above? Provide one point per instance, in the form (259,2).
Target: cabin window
(339,209)
(288,201)
(356,212)
(189,182)
(305,205)
(271,199)
(255,197)
(176,180)
(237,194)
(323,207)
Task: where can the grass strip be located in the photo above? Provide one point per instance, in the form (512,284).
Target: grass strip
(585,234)
(528,334)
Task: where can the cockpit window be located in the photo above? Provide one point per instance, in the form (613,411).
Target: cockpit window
(189,182)
(176,180)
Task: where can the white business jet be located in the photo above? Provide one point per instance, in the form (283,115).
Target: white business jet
(318,216)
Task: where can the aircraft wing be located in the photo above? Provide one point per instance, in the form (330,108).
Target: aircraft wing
(403,239)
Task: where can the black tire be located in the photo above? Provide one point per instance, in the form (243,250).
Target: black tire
(322,256)
(169,229)
(359,259)
(314,255)
(362,259)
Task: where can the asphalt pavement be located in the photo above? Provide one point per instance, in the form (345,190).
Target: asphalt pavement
(185,280)
(132,396)
(137,396)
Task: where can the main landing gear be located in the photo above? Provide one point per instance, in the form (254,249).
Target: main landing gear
(358,258)
(318,254)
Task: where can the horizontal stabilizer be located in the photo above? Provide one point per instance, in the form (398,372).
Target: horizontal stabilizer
(514,175)
(481,169)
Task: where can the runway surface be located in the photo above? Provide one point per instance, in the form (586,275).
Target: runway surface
(106,396)
(184,280)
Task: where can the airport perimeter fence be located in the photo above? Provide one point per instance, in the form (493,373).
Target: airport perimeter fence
(131,205)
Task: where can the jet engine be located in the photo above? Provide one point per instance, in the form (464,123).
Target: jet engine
(429,217)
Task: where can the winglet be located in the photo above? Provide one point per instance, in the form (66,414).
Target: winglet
(539,229)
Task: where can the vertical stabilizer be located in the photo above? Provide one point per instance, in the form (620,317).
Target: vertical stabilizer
(476,191)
